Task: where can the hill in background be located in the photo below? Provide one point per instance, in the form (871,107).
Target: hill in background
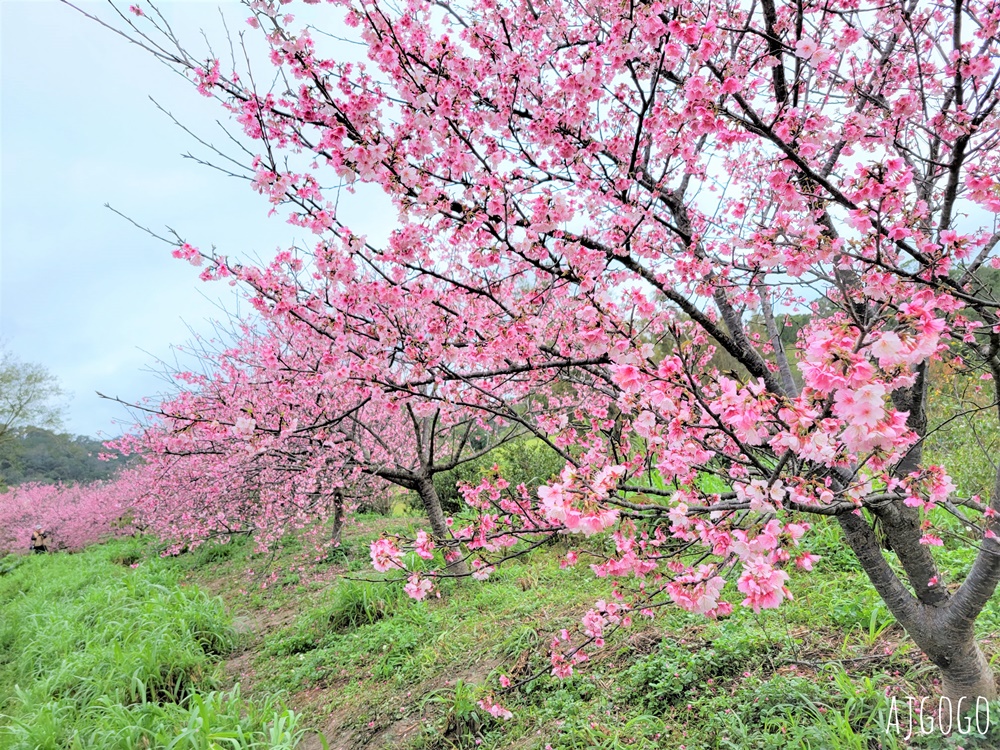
(39,455)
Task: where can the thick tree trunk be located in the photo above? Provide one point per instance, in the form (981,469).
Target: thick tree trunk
(941,626)
(432,506)
(965,671)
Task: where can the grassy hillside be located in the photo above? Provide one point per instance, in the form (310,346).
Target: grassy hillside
(95,653)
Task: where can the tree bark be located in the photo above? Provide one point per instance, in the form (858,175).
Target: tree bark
(338,517)
(432,506)
(965,671)
(942,627)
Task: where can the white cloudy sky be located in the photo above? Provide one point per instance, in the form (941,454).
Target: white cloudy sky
(83,292)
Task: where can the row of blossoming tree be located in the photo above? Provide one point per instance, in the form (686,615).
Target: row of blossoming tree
(278,433)
(594,202)
(72,516)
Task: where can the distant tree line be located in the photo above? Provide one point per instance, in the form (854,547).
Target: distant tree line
(34,454)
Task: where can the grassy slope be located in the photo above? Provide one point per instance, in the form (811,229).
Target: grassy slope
(94,654)
(371,668)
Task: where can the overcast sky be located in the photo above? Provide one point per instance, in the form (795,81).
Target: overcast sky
(82,291)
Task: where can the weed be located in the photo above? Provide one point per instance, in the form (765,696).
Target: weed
(358,603)
(140,649)
(669,675)
(462,720)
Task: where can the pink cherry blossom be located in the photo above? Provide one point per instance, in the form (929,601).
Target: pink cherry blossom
(417,587)
(424,545)
(763,585)
(385,555)
(862,407)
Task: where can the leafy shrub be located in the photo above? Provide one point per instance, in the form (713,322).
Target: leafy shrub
(526,461)
(357,603)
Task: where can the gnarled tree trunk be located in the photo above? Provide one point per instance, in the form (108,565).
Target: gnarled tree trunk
(942,625)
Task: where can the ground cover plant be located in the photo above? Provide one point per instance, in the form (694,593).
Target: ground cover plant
(360,661)
(368,666)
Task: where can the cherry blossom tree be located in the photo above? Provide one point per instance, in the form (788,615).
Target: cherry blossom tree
(73,516)
(277,434)
(606,195)
(224,455)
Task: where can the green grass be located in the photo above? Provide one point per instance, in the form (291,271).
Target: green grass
(816,674)
(370,667)
(94,654)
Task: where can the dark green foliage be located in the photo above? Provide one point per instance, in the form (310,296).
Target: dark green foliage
(527,461)
(359,603)
(218,550)
(9,563)
(37,455)
(353,604)
(670,675)
(128,552)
